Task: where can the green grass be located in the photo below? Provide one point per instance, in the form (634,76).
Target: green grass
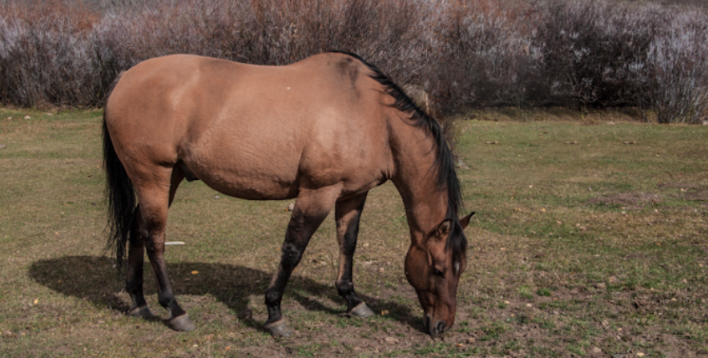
(592,244)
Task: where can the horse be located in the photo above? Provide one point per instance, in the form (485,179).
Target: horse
(323,131)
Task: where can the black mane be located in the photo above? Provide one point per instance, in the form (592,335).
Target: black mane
(444,160)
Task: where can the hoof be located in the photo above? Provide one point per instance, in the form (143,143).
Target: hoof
(278,329)
(181,323)
(142,311)
(361,310)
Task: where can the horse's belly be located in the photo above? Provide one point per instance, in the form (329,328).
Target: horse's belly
(248,186)
(244,176)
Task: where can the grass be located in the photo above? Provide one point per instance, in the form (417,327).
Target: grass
(591,244)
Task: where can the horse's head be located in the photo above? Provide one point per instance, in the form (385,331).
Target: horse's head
(434,268)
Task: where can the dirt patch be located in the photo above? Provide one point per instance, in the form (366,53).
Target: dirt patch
(696,195)
(627,200)
(691,191)
(677,185)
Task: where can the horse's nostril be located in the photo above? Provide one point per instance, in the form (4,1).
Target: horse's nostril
(440,327)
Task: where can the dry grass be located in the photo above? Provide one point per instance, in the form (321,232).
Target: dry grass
(591,244)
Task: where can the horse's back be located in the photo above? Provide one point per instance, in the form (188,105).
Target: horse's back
(257,132)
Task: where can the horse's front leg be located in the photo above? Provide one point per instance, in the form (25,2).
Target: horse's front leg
(311,208)
(347,215)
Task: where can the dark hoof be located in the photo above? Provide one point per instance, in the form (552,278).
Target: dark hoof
(181,323)
(278,329)
(361,310)
(142,311)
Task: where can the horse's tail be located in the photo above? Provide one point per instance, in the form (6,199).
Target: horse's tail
(121,198)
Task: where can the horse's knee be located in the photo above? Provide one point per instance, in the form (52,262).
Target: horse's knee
(291,255)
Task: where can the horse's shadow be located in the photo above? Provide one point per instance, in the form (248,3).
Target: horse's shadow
(94,279)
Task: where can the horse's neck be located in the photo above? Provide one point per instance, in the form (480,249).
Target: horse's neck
(416,178)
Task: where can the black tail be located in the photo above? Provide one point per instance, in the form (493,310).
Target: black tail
(121,198)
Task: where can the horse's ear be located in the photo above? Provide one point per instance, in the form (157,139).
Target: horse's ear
(466,220)
(443,229)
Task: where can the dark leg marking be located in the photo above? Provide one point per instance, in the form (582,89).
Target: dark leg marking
(348,214)
(134,279)
(297,236)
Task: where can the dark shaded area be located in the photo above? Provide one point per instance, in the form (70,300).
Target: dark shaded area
(94,279)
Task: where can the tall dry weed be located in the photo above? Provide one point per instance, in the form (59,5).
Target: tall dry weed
(462,52)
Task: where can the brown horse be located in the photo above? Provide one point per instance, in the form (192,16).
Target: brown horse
(324,131)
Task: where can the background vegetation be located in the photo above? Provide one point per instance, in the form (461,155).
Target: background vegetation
(463,53)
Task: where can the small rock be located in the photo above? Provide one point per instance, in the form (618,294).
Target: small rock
(640,354)
(471,340)
(492,142)
(28,117)
(595,350)
(3,146)
(291,206)
(461,164)
(391,340)
(600,285)
(217,197)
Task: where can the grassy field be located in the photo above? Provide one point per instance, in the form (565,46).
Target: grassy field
(590,239)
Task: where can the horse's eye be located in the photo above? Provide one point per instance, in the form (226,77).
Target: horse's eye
(438,273)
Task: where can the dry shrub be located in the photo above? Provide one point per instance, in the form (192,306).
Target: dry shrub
(483,53)
(271,32)
(45,57)
(678,60)
(595,54)
(574,53)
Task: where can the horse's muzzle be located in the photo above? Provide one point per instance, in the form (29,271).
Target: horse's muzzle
(435,330)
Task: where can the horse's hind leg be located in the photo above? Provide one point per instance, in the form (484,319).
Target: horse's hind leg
(154,196)
(136,256)
(134,281)
(347,215)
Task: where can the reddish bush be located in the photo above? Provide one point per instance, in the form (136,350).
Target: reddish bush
(45,57)
(575,53)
